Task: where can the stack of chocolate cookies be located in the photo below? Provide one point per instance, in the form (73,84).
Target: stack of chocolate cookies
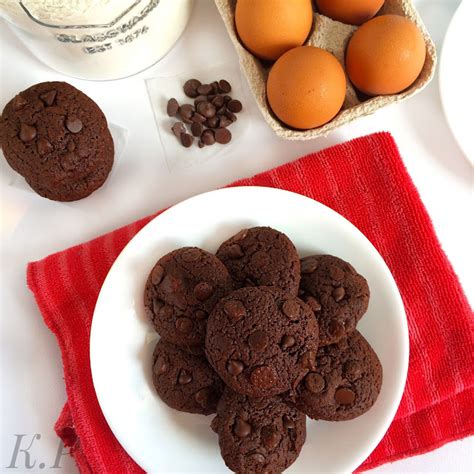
(263,339)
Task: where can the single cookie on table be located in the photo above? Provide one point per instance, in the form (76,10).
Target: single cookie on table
(57,138)
(261,341)
(346,382)
(184,381)
(181,291)
(258,435)
(337,294)
(262,256)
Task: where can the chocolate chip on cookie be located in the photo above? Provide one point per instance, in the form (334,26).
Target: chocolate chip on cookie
(258,435)
(184,381)
(262,256)
(261,341)
(345,383)
(337,294)
(182,289)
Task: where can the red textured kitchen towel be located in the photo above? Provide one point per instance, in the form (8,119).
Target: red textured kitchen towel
(365,181)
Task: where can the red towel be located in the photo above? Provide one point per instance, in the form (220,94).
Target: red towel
(365,181)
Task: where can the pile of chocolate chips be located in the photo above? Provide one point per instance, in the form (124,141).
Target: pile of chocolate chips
(210,115)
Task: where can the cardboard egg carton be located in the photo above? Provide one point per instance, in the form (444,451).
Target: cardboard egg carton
(332,36)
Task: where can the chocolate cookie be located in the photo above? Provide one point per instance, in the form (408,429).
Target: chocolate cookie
(261,341)
(258,435)
(57,138)
(262,256)
(345,384)
(181,291)
(184,381)
(337,294)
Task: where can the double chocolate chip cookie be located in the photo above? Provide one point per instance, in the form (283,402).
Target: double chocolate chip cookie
(258,435)
(261,341)
(337,294)
(345,384)
(184,381)
(57,138)
(262,256)
(181,291)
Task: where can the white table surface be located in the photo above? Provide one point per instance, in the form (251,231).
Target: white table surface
(32,389)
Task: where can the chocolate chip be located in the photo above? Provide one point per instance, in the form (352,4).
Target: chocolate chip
(178,128)
(172,107)
(241,235)
(258,340)
(336,329)
(218,101)
(215,87)
(206,109)
(186,140)
(68,161)
(344,396)
(201,144)
(197,129)
(27,132)
(199,98)
(223,136)
(313,303)
(19,102)
(157,274)
(287,342)
(291,309)
(157,305)
(48,97)
(170,284)
(222,110)
(71,146)
(338,293)
(314,382)
(191,255)
(352,370)
(241,428)
(288,423)
(235,367)
(44,146)
(205,397)
(207,137)
(200,314)
(308,360)
(336,273)
(161,366)
(234,251)
(166,312)
(235,309)
(190,87)
(257,458)
(215,424)
(260,259)
(213,122)
(224,122)
(263,377)
(186,112)
(198,118)
(204,89)
(230,115)
(227,98)
(234,106)
(270,436)
(73,124)
(224,86)
(309,265)
(184,377)
(184,325)
(203,291)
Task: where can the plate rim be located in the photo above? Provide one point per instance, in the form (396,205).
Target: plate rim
(400,389)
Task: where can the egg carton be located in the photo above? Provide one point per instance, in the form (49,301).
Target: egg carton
(332,36)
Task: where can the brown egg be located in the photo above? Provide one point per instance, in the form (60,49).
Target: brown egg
(306,87)
(269,28)
(352,12)
(385,55)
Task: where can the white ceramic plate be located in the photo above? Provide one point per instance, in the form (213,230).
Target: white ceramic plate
(162,440)
(456,74)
